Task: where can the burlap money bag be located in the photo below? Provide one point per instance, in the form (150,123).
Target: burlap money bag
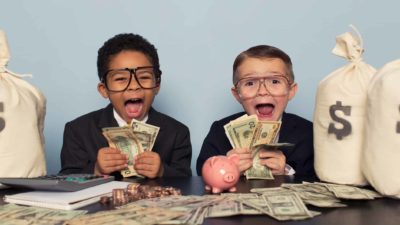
(22,111)
(381,156)
(339,113)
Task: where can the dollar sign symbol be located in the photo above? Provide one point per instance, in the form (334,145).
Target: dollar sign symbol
(346,129)
(2,121)
(398,125)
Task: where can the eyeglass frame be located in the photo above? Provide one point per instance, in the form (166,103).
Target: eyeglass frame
(132,71)
(289,82)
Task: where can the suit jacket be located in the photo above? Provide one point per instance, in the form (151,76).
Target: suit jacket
(83,138)
(294,129)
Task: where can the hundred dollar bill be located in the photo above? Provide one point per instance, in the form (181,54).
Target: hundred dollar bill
(124,139)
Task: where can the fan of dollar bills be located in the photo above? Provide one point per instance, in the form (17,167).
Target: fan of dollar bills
(247,132)
(131,140)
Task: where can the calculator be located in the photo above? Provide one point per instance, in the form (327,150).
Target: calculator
(71,182)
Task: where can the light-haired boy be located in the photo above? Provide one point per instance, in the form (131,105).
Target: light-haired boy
(264,83)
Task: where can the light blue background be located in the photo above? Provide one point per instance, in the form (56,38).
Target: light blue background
(197,41)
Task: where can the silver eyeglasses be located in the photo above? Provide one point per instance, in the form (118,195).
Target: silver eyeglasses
(277,85)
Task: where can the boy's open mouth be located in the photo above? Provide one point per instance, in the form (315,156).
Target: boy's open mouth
(265,109)
(133,107)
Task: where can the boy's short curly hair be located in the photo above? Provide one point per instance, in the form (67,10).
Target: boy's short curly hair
(262,52)
(126,42)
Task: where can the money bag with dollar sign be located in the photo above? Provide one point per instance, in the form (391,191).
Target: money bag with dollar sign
(381,155)
(340,108)
(22,112)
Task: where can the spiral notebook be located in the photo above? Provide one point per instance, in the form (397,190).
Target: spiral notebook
(65,200)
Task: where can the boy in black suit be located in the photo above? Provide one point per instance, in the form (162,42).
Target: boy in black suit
(130,76)
(263,84)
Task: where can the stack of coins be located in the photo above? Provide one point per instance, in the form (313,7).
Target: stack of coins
(135,191)
(133,188)
(119,197)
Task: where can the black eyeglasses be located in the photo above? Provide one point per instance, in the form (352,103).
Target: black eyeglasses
(118,80)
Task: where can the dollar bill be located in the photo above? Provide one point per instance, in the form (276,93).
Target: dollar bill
(133,214)
(287,205)
(16,214)
(265,133)
(124,139)
(228,208)
(145,128)
(240,198)
(144,139)
(257,170)
(247,132)
(229,135)
(243,130)
(349,192)
(329,195)
(274,146)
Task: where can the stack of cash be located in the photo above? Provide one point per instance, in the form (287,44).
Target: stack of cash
(323,194)
(134,214)
(287,202)
(131,140)
(15,214)
(247,132)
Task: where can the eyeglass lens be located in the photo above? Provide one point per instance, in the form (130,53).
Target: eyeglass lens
(119,80)
(276,86)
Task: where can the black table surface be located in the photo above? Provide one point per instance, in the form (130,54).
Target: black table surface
(358,212)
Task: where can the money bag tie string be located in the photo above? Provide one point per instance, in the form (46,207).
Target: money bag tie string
(349,47)
(5,70)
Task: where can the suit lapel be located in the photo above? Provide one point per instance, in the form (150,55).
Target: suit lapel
(154,118)
(287,133)
(107,118)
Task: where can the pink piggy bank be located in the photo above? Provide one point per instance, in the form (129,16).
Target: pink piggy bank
(221,173)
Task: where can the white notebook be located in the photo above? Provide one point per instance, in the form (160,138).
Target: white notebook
(65,200)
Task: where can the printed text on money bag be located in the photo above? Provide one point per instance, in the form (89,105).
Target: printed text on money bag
(345,130)
(2,121)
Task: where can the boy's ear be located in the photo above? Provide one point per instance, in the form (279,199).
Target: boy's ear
(157,89)
(101,88)
(293,91)
(236,95)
